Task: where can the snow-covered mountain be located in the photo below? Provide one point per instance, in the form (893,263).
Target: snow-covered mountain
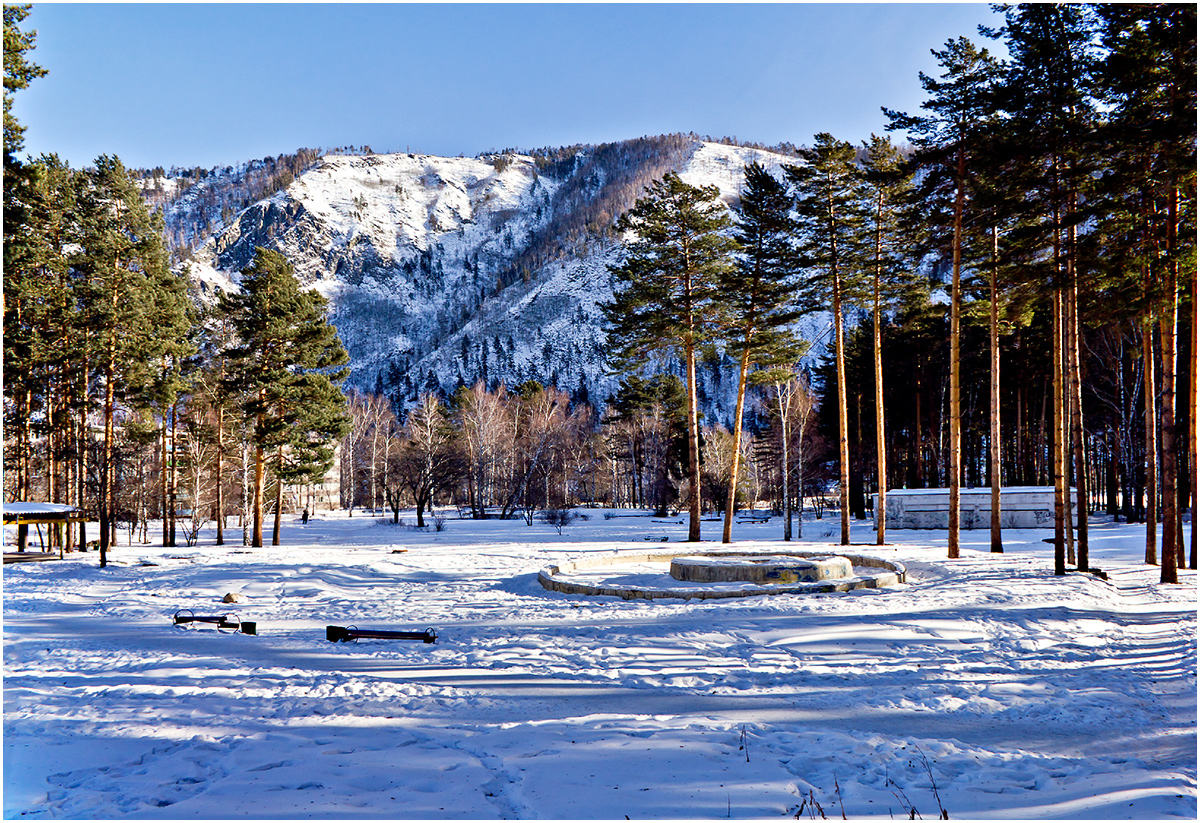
(444,270)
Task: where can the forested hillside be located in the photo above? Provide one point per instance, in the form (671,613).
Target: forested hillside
(442,271)
(198,203)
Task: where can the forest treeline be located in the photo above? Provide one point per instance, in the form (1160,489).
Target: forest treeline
(1012,291)
(1026,265)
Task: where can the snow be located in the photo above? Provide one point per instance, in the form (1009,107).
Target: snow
(721,165)
(408,248)
(1025,694)
(29,509)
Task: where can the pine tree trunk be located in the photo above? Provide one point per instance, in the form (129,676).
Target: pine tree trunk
(173,491)
(693,423)
(881,483)
(247,494)
(51,450)
(256,535)
(727,533)
(220,471)
(1193,408)
(1060,496)
(1167,330)
(1065,434)
(783,437)
(956,363)
(68,460)
(106,467)
(164,462)
(24,448)
(843,416)
(81,474)
(994,359)
(276,527)
(1081,484)
(1151,419)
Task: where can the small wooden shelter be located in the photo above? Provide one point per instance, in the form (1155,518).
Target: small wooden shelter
(24,514)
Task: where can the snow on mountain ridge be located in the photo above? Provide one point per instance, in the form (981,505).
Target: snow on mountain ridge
(424,259)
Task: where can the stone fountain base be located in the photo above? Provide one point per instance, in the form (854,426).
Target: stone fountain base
(762,569)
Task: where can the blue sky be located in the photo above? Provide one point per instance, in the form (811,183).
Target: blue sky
(217,84)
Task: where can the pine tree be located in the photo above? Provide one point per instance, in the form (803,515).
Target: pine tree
(947,140)
(757,297)
(285,366)
(40,309)
(23,234)
(1148,81)
(664,289)
(1045,95)
(131,301)
(887,188)
(18,72)
(829,214)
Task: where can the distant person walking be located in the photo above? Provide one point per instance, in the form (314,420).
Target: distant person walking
(304,517)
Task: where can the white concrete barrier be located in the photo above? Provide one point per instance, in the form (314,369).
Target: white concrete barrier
(1021,507)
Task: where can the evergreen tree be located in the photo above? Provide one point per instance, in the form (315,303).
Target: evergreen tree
(23,232)
(654,414)
(285,366)
(664,289)
(887,187)
(757,297)
(40,311)
(18,72)
(1050,117)
(1147,79)
(133,307)
(947,142)
(830,217)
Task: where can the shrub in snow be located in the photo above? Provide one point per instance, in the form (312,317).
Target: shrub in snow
(559,518)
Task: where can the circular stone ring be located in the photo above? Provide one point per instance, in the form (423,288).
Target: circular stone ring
(727,574)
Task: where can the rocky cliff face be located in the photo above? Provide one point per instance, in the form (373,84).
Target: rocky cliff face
(442,271)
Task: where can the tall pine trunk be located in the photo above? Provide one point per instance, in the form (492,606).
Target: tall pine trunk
(1151,420)
(164,491)
(693,423)
(81,473)
(220,471)
(994,359)
(1077,431)
(956,361)
(783,437)
(174,478)
(1064,364)
(881,483)
(256,535)
(276,527)
(1167,330)
(1169,554)
(106,460)
(727,533)
(1193,408)
(1060,452)
(843,415)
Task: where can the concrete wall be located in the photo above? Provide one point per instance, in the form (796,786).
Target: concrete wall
(1021,507)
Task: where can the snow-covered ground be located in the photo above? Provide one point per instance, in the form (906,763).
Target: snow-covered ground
(985,685)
